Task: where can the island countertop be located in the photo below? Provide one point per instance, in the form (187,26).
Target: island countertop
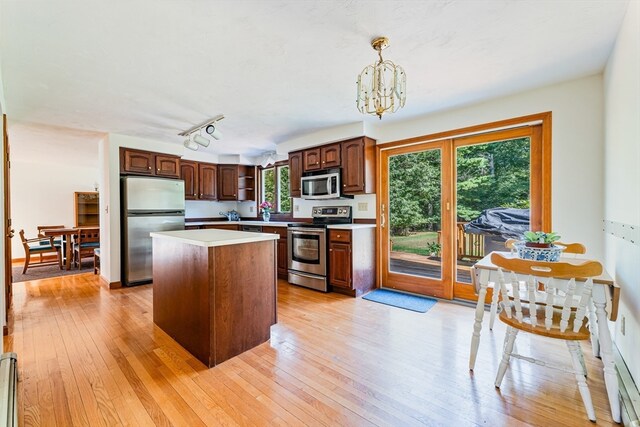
(212,237)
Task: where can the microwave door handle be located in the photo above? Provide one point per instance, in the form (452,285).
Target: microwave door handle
(329,185)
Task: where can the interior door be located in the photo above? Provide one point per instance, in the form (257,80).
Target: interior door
(8,279)
(415,219)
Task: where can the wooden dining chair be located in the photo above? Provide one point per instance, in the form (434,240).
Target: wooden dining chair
(556,310)
(34,246)
(44,239)
(86,241)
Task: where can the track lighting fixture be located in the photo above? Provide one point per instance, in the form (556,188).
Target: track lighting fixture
(195,137)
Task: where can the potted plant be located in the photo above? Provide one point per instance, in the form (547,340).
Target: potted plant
(433,249)
(540,239)
(539,246)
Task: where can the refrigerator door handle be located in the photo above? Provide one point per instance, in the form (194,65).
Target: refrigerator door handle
(155,213)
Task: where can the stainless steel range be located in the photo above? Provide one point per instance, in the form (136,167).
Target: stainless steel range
(308,246)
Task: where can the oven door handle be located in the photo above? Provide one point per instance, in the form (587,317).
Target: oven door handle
(299,233)
(310,276)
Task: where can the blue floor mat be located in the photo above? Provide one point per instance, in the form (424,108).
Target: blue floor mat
(401,300)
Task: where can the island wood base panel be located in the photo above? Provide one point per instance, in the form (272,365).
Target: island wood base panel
(217,302)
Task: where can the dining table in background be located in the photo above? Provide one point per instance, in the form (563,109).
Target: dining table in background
(605,295)
(67,236)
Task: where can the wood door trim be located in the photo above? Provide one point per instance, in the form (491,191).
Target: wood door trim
(7,225)
(538,118)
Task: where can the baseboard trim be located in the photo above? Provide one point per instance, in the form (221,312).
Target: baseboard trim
(110,285)
(629,394)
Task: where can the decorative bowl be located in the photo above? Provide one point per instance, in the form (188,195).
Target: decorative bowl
(550,254)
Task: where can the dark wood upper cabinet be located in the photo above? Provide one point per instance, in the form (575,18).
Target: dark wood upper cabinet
(227,182)
(327,156)
(167,166)
(207,181)
(139,162)
(295,173)
(236,182)
(246,183)
(312,160)
(136,161)
(358,166)
(330,155)
(189,174)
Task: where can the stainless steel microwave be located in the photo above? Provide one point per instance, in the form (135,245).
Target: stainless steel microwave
(321,185)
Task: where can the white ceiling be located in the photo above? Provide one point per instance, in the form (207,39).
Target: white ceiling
(279,69)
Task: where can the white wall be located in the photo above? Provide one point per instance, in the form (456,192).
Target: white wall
(622,179)
(577,148)
(48,165)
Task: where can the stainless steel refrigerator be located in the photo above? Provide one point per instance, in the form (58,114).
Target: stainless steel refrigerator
(148,205)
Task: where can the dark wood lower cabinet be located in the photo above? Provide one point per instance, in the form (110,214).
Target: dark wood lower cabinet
(283,262)
(340,262)
(233,227)
(352,260)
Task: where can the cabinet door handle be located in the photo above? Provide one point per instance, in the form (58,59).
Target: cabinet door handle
(338,236)
(330,250)
(158,169)
(149,168)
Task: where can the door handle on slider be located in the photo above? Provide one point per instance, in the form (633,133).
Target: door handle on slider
(11,233)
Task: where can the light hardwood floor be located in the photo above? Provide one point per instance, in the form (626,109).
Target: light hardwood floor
(88,356)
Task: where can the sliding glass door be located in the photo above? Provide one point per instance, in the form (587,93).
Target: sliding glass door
(435,197)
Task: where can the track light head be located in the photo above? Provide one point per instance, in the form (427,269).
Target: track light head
(188,143)
(213,131)
(201,140)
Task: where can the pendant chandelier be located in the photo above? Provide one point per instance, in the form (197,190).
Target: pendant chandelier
(382,85)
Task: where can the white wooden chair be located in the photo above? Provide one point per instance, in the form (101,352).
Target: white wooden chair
(549,299)
(570,249)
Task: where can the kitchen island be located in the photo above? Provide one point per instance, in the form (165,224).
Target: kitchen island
(214,291)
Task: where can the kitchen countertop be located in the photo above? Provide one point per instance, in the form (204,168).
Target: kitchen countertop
(267,223)
(212,237)
(279,224)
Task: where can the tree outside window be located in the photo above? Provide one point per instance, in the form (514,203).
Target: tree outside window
(275,188)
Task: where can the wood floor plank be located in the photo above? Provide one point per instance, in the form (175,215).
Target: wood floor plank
(92,356)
